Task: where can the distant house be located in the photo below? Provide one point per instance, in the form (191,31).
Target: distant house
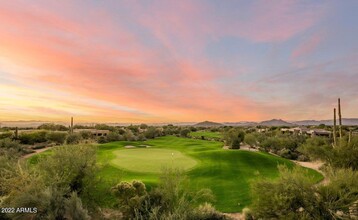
(296,130)
(319,132)
(262,130)
(94,132)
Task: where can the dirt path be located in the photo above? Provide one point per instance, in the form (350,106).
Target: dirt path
(36,152)
(314,165)
(235,216)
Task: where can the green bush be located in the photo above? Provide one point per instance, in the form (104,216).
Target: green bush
(73,138)
(33,137)
(56,137)
(53,127)
(185,132)
(233,138)
(10,148)
(7,134)
(114,136)
(131,197)
(345,155)
(86,134)
(295,195)
(171,199)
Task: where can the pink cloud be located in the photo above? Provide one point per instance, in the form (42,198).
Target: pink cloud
(308,45)
(105,60)
(276,21)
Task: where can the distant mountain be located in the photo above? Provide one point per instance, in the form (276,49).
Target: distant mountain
(208,124)
(276,122)
(345,121)
(241,123)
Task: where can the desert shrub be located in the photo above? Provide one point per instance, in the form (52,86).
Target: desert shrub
(54,184)
(288,198)
(250,140)
(114,136)
(288,154)
(73,138)
(11,148)
(7,134)
(9,144)
(53,127)
(104,127)
(184,132)
(233,138)
(102,140)
(150,133)
(171,199)
(121,131)
(295,196)
(129,136)
(86,134)
(56,137)
(70,166)
(247,213)
(345,155)
(33,137)
(143,126)
(131,197)
(207,212)
(74,209)
(141,137)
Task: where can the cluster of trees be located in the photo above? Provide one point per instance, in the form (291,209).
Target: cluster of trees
(59,186)
(233,138)
(171,199)
(344,155)
(296,196)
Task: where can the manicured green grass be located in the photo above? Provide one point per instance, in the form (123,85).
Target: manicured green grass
(206,134)
(149,160)
(227,173)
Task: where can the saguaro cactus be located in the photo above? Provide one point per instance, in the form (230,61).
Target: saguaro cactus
(16,133)
(71,129)
(340,119)
(334,128)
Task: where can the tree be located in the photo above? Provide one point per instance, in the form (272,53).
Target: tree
(250,139)
(151,133)
(184,132)
(233,138)
(129,136)
(143,126)
(114,136)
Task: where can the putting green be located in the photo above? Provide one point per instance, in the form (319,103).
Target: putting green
(148,160)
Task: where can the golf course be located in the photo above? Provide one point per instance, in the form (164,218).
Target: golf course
(227,173)
(205,134)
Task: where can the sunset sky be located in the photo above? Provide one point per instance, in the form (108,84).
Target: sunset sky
(175,61)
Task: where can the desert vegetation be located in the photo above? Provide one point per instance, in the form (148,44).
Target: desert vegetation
(177,172)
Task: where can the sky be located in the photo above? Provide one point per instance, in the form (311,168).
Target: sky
(177,61)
